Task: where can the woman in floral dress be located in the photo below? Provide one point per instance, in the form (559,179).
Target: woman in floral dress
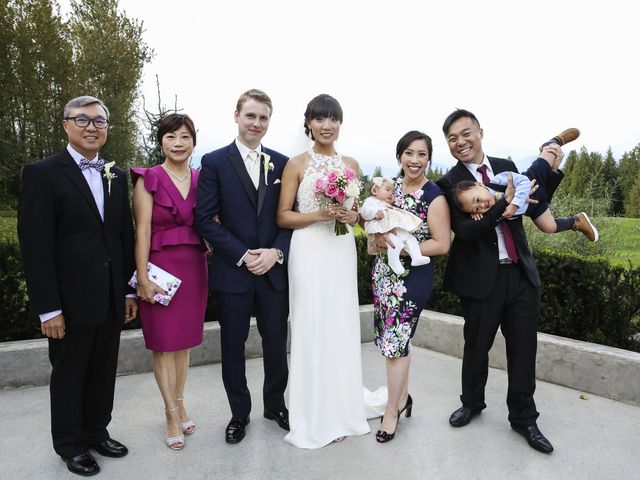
(399,299)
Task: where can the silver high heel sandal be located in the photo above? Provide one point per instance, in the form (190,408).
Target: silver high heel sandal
(188,427)
(177,442)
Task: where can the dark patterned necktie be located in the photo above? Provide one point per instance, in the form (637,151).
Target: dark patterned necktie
(506,231)
(97,165)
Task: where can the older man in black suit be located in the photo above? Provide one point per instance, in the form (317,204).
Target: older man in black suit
(491,267)
(76,238)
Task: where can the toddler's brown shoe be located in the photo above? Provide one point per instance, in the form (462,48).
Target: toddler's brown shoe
(568,135)
(584,226)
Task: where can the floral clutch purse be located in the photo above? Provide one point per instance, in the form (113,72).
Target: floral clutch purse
(169,283)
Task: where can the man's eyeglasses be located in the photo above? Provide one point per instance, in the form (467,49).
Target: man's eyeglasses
(84,122)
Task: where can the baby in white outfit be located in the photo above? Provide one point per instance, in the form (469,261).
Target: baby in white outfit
(381,217)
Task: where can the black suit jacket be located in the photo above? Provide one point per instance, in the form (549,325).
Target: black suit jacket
(473,265)
(73,260)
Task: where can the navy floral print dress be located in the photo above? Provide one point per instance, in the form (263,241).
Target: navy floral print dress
(398,300)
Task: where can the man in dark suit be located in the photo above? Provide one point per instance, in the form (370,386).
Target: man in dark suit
(76,239)
(491,267)
(238,193)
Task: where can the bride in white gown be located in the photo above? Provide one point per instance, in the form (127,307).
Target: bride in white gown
(325,375)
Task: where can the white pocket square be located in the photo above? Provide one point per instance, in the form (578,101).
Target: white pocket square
(277,180)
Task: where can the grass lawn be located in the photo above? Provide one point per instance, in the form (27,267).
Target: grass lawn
(629,230)
(626,234)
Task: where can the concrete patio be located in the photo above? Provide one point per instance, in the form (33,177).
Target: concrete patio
(594,437)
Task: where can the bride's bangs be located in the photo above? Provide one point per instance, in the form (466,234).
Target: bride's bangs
(325,106)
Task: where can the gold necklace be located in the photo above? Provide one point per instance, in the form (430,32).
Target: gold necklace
(175,175)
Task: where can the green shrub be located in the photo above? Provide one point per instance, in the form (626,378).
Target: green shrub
(583,298)
(365,266)
(441,301)
(589,299)
(15,323)
(8,230)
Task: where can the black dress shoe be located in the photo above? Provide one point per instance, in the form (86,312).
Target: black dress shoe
(280,416)
(82,464)
(236,430)
(535,438)
(110,448)
(462,416)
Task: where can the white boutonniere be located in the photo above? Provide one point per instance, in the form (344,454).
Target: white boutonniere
(267,165)
(109,175)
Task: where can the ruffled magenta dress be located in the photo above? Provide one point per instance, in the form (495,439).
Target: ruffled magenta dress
(177,248)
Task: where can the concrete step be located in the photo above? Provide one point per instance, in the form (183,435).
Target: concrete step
(606,371)
(594,438)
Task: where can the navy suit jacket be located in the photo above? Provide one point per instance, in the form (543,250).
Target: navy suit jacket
(234,217)
(472,267)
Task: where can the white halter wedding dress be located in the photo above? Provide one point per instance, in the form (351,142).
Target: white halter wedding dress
(325,376)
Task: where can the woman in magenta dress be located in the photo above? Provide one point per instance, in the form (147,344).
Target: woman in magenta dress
(163,205)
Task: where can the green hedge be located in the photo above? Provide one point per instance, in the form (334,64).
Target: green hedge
(589,299)
(14,321)
(585,299)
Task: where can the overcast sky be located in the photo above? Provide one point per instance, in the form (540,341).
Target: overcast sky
(528,70)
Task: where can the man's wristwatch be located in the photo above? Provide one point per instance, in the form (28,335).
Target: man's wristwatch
(280,258)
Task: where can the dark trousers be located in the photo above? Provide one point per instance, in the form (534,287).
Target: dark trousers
(514,305)
(547,181)
(82,384)
(233,312)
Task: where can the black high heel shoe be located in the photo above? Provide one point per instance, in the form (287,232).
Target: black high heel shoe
(382,436)
(407,407)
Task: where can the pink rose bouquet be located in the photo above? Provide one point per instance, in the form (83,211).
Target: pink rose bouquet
(338,186)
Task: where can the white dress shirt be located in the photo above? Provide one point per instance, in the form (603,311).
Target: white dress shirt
(244,154)
(246,158)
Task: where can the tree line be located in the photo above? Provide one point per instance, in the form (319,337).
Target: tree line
(592,175)
(588,175)
(45,60)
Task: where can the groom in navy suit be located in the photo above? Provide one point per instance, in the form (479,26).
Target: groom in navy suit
(238,194)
